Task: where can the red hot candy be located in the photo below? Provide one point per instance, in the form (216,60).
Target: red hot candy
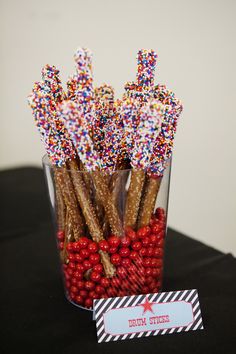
(138,258)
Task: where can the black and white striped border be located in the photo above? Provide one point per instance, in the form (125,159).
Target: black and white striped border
(103,305)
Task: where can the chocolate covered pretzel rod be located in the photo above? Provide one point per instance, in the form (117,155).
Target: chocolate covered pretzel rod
(147,132)
(43,111)
(76,125)
(161,153)
(53,86)
(84,96)
(145,81)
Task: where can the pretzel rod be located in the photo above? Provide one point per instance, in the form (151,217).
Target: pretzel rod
(104,104)
(69,236)
(85,202)
(133,198)
(105,197)
(109,269)
(74,120)
(148,201)
(117,183)
(162,151)
(146,134)
(52,82)
(63,179)
(90,215)
(83,58)
(61,209)
(58,148)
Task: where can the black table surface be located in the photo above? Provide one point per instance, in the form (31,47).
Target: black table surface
(36,318)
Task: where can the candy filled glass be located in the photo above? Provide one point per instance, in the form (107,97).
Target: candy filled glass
(110,230)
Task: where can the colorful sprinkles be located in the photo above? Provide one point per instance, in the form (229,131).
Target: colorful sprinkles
(103,131)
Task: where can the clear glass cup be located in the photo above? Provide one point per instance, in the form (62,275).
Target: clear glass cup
(110,230)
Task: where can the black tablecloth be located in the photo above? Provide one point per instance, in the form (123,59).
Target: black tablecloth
(36,318)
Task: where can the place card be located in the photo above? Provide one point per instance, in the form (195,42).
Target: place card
(138,316)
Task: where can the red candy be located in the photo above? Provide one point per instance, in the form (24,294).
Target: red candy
(104,245)
(92,247)
(76,246)
(148,272)
(80,268)
(143,252)
(98,268)
(87,264)
(125,241)
(145,290)
(114,241)
(70,271)
(116,259)
(124,252)
(137,245)
(92,294)
(73,289)
(88,303)
(61,235)
(147,262)
(73,281)
(134,255)
(94,258)
(72,265)
(150,251)
(70,247)
(79,299)
(130,233)
(99,290)
(143,231)
(95,276)
(105,282)
(77,258)
(160,243)
(158,252)
(84,253)
(71,257)
(61,246)
(137,257)
(156,272)
(121,272)
(89,285)
(78,275)
(126,262)
(83,293)
(83,242)
(80,284)
(116,282)
(153,239)
(156,228)
(146,241)
(112,250)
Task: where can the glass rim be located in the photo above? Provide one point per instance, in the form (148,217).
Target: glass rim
(47,162)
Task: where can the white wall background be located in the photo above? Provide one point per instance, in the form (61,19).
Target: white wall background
(195,41)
